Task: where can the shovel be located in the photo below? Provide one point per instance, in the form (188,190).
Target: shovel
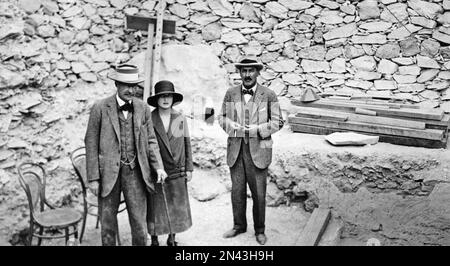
(167,213)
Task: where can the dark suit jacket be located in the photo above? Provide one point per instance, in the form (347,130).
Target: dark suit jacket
(265,113)
(102,143)
(175,145)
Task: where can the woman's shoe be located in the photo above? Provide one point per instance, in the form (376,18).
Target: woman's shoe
(171,243)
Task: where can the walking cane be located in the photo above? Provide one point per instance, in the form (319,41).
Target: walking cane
(167,213)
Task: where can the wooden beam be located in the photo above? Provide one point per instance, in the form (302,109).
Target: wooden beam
(141,23)
(365,111)
(315,227)
(320,114)
(404,112)
(361,96)
(433,124)
(428,114)
(325,114)
(386,121)
(434,134)
(374,102)
(148,64)
(398,140)
(158,42)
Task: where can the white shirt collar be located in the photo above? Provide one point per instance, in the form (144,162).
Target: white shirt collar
(252,88)
(120,101)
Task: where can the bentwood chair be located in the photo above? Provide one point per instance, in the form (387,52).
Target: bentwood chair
(78,158)
(32,179)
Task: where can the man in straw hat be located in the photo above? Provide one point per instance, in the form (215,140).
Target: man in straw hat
(121,148)
(250,114)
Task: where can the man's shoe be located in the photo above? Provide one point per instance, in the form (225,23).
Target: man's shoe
(261,239)
(155,241)
(233,232)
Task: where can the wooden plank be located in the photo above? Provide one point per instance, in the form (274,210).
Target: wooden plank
(373,102)
(361,96)
(341,98)
(365,111)
(390,104)
(398,140)
(433,124)
(406,112)
(315,227)
(386,121)
(158,42)
(141,23)
(148,64)
(428,114)
(434,134)
(320,114)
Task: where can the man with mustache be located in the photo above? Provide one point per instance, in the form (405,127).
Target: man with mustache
(250,114)
(121,148)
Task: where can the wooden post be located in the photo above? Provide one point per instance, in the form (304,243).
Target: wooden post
(147,63)
(158,42)
(314,229)
(148,24)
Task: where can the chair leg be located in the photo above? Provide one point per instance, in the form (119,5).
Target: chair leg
(30,237)
(98,222)
(75,231)
(118,235)
(83,226)
(41,231)
(67,234)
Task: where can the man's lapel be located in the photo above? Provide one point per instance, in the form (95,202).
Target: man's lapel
(138,112)
(159,129)
(113,115)
(257,98)
(238,103)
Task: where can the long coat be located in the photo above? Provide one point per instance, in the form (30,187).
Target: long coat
(102,141)
(265,113)
(176,153)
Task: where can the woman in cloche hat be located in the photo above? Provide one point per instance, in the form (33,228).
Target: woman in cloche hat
(172,133)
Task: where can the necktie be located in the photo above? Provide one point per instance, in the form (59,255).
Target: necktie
(247,91)
(126,107)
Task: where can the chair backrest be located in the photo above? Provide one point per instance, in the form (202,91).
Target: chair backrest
(32,180)
(78,158)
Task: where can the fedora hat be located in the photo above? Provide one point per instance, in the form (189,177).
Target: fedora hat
(164,87)
(126,74)
(249,61)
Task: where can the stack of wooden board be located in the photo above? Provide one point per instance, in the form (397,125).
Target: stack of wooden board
(396,123)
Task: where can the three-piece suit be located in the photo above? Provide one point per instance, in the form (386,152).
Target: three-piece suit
(121,152)
(250,154)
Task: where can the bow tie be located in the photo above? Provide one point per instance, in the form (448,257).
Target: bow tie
(126,107)
(247,91)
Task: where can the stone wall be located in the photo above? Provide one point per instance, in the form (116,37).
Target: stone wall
(387,47)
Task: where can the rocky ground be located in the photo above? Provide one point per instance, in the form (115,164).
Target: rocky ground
(213,217)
